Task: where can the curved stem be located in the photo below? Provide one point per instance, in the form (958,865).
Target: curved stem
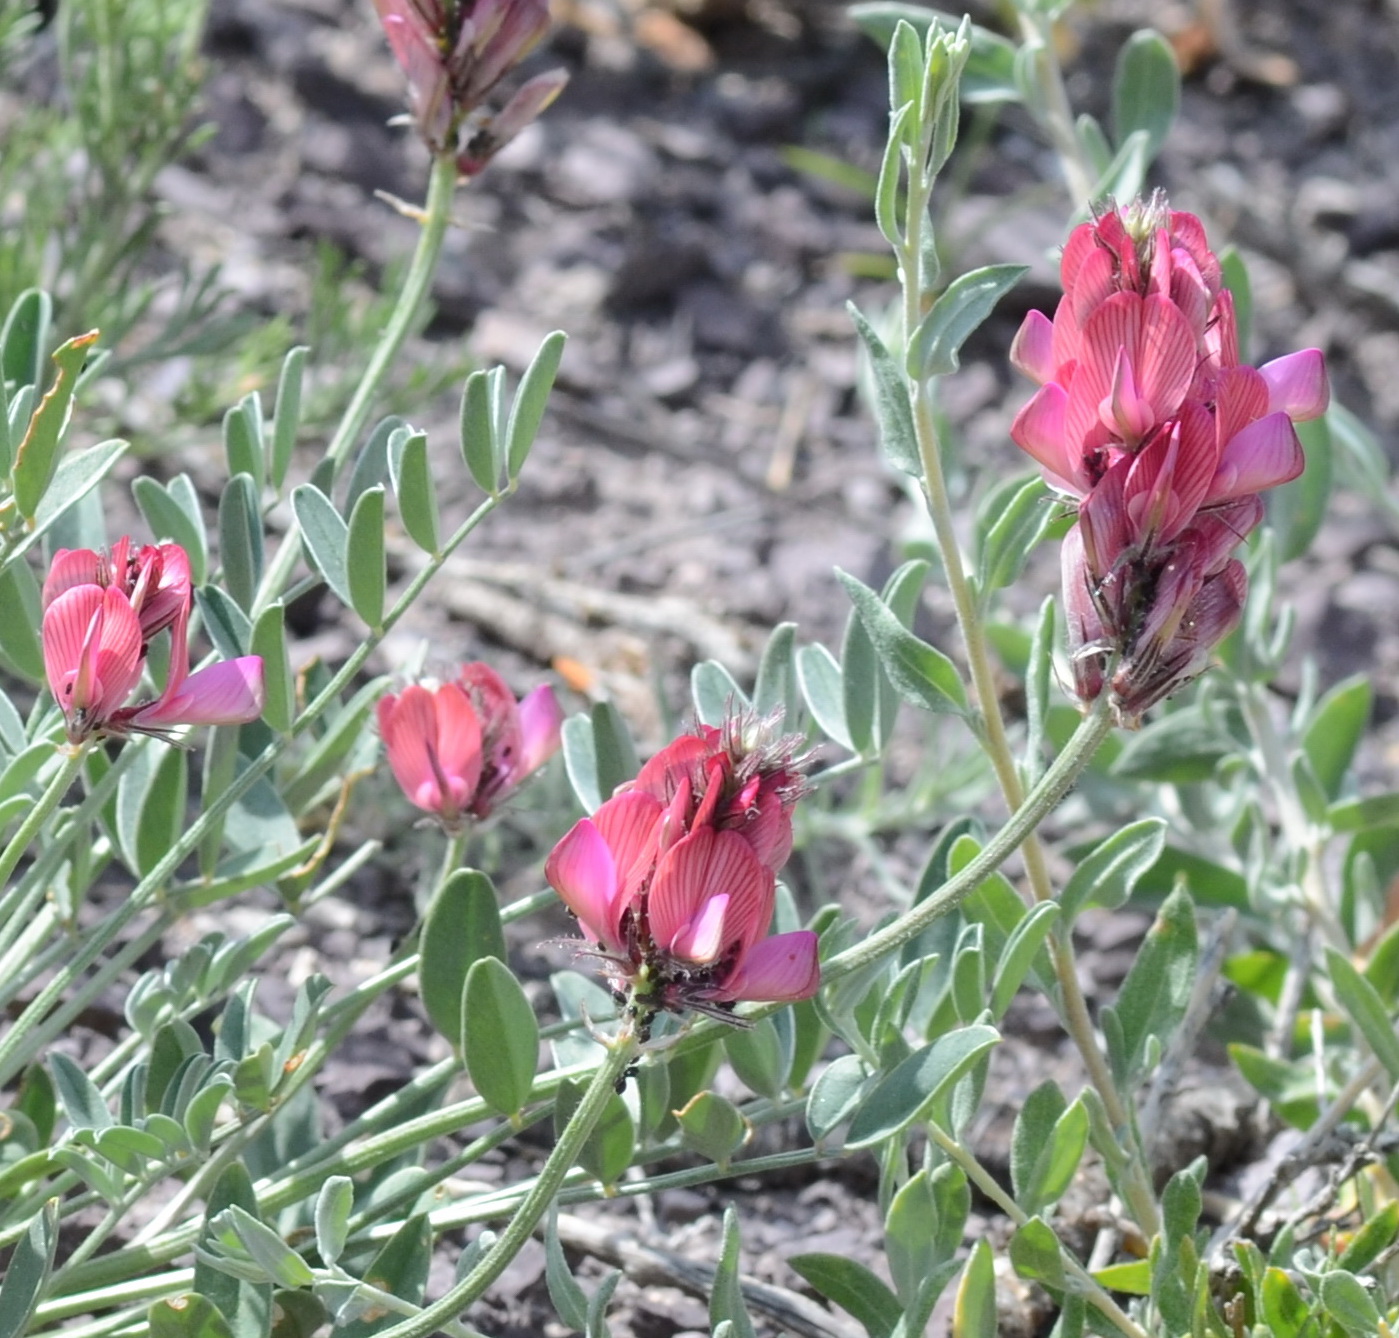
(435,217)
(623,1050)
(37,816)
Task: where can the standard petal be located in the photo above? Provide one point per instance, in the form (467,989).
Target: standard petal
(582,871)
(1263,455)
(65,628)
(457,737)
(630,824)
(227,693)
(71,567)
(1033,349)
(703,865)
(780,969)
(1297,385)
(1165,358)
(662,773)
(408,726)
(541,719)
(119,656)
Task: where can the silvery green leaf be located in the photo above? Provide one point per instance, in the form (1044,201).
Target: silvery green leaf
(527,412)
(967,301)
(897,437)
(1145,90)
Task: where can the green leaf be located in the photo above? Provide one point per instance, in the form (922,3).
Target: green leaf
(37,457)
(1285,1311)
(1154,996)
(28,1271)
(1035,1253)
(82,1102)
(1179,748)
(903,1095)
(500,1036)
(835,1095)
(1297,509)
(598,754)
(886,192)
(269,640)
(527,412)
(1365,1008)
(852,1287)
(401,1269)
(20,620)
(287,413)
(1024,944)
(462,925)
(922,674)
(1356,815)
(891,404)
(1235,275)
(1107,876)
(168,513)
(417,494)
(1016,520)
(974,1315)
(1349,1303)
(1145,89)
(773,689)
(607,1151)
(481,448)
(242,441)
(967,301)
(1127,171)
(162,816)
(365,569)
(1372,1240)
(1334,731)
(819,678)
(1048,1162)
(570,1300)
(871,701)
(712,1127)
(1134,1278)
(326,536)
(333,1204)
(716,694)
(246,1305)
(726,1297)
(78,473)
(187,1316)
(989,74)
(25,337)
(272,1254)
(910,1236)
(1209,884)
(761,1055)
(240,539)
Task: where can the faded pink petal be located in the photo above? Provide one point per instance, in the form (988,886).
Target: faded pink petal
(1263,455)
(541,720)
(1033,348)
(1040,431)
(582,871)
(782,969)
(702,865)
(227,693)
(1297,385)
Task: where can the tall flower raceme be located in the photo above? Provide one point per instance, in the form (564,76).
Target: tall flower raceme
(458,748)
(454,53)
(100,613)
(1146,418)
(673,878)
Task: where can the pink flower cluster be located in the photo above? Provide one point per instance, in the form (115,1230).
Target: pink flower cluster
(101,612)
(454,52)
(674,877)
(1145,416)
(460,747)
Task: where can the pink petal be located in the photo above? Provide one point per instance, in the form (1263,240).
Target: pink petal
(65,630)
(702,940)
(1125,406)
(70,567)
(227,693)
(1241,398)
(630,824)
(1263,455)
(1039,430)
(408,726)
(92,651)
(541,719)
(705,864)
(1033,349)
(780,969)
(457,738)
(1297,385)
(582,871)
(1165,361)
(662,773)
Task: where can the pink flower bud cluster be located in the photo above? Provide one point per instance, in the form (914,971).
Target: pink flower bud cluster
(674,877)
(458,748)
(1145,416)
(101,612)
(454,53)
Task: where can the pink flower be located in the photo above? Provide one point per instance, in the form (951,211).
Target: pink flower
(101,612)
(454,53)
(674,877)
(458,748)
(1147,420)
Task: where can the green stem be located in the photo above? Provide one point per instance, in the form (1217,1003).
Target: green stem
(623,1050)
(986,1183)
(436,216)
(1054,112)
(35,819)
